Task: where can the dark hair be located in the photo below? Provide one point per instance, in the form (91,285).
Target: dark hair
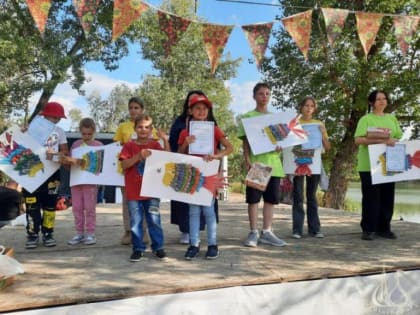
(142,117)
(305,99)
(87,123)
(185,109)
(258,86)
(372,98)
(136,100)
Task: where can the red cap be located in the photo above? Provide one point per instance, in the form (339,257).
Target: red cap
(53,109)
(199,99)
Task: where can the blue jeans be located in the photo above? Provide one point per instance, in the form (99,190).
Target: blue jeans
(150,209)
(298,214)
(210,215)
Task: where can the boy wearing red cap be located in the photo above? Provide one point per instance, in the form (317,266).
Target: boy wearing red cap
(41,204)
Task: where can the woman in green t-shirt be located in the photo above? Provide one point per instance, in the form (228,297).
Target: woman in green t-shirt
(377,200)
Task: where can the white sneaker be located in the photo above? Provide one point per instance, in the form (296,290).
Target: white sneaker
(318,235)
(296,236)
(90,239)
(252,240)
(76,239)
(185,238)
(271,239)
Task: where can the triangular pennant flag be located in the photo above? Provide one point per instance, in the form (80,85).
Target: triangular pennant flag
(334,22)
(172,26)
(39,10)
(86,11)
(215,38)
(299,27)
(258,36)
(125,13)
(368,25)
(405,26)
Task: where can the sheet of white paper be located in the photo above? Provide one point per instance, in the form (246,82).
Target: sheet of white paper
(259,140)
(376,152)
(204,137)
(314,137)
(290,166)
(29,175)
(154,172)
(40,129)
(395,158)
(99,171)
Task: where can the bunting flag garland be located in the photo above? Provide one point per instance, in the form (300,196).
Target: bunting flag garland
(334,22)
(299,27)
(368,25)
(125,13)
(39,10)
(215,38)
(86,11)
(405,26)
(173,26)
(258,36)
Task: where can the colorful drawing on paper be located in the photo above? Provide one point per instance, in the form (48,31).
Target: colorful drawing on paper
(410,161)
(279,132)
(93,161)
(303,160)
(299,161)
(24,161)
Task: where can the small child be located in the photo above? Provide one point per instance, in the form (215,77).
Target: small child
(41,204)
(201,110)
(132,156)
(84,197)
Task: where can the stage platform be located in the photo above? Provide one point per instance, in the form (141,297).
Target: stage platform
(65,275)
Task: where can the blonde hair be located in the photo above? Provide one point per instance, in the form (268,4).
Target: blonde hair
(87,123)
(143,117)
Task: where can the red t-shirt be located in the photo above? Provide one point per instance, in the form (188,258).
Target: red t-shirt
(132,178)
(218,134)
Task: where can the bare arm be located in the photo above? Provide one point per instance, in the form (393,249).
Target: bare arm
(367,141)
(142,155)
(247,153)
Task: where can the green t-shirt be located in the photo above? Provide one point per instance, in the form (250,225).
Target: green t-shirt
(270,158)
(371,120)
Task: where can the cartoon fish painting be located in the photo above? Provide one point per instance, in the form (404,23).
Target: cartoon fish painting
(93,161)
(410,161)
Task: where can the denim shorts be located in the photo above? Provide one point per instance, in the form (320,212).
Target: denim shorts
(270,195)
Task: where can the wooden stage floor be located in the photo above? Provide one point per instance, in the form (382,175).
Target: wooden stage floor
(66,274)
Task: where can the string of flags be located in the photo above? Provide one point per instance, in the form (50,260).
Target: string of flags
(215,36)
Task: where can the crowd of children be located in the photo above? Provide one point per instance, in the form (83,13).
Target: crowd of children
(141,214)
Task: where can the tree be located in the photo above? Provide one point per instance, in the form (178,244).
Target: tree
(75,116)
(340,78)
(33,62)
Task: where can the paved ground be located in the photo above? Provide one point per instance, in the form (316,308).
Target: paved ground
(80,274)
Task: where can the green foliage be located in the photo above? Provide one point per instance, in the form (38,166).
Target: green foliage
(75,116)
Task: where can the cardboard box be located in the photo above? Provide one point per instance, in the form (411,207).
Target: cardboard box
(5,282)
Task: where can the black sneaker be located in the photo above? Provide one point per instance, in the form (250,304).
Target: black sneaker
(160,253)
(192,252)
(136,256)
(389,235)
(48,240)
(32,241)
(368,236)
(212,252)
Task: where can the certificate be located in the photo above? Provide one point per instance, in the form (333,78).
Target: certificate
(314,137)
(396,158)
(204,137)
(40,129)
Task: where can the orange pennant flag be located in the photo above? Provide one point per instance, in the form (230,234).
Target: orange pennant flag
(215,38)
(39,10)
(86,11)
(334,22)
(299,27)
(405,26)
(125,13)
(258,36)
(368,25)
(172,26)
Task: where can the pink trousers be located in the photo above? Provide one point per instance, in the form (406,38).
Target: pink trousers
(84,198)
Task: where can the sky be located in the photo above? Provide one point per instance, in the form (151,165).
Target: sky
(132,67)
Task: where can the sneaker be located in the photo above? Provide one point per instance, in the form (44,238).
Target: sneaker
(389,235)
(90,239)
(32,241)
(271,239)
(126,239)
(192,252)
(212,252)
(318,235)
(48,240)
(160,253)
(136,256)
(296,236)
(185,238)
(368,236)
(252,240)
(77,239)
